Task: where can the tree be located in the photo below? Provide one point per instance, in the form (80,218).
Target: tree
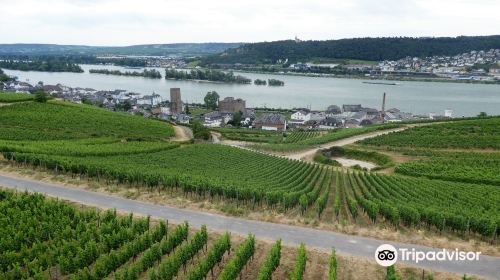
(237,117)
(482,115)
(40,97)
(187,110)
(211,99)
(200,131)
(127,106)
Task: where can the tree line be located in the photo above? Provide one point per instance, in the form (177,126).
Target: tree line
(47,65)
(154,74)
(375,49)
(206,75)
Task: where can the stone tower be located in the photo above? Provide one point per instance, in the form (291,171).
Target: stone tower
(175,101)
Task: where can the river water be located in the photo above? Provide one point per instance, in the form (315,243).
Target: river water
(299,91)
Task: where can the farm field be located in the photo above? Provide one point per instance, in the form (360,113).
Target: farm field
(61,120)
(15,97)
(75,242)
(243,178)
(465,151)
(263,136)
(308,140)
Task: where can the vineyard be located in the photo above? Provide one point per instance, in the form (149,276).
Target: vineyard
(476,133)
(50,239)
(15,97)
(306,140)
(251,179)
(462,151)
(469,167)
(68,144)
(263,136)
(59,121)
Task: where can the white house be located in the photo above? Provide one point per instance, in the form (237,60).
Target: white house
(301,115)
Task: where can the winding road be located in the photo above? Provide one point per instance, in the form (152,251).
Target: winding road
(487,266)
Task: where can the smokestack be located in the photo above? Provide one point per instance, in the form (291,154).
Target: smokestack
(382,112)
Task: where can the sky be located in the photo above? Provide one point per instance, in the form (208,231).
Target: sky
(130,22)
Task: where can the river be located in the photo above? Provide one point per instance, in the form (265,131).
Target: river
(299,91)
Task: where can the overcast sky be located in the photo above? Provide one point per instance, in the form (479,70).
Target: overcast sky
(128,22)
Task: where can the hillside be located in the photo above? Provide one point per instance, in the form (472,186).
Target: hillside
(58,120)
(179,49)
(463,151)
(373,49)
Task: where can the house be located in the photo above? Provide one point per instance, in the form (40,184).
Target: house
(182,118)
(351,123)
(216,119)
(150,100)
(331,123)
(271,121)
(301,115)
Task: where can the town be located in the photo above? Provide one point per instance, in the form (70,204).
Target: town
(226,112)
(471,66)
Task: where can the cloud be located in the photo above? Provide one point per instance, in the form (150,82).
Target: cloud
(125,22)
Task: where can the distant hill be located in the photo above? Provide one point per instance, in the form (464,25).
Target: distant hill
(358,48)
(179,49)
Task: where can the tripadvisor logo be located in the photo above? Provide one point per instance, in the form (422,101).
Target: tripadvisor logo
(387,255)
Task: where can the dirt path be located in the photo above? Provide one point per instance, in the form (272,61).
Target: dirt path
(347,162)
(342,142)
(182,133)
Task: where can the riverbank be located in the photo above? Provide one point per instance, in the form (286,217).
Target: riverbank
(361,77)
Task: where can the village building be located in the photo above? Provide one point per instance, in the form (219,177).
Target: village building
(232,105)
(271,121)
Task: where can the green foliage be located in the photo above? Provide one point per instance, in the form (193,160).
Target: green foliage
(374,49)
(52,121)
(15,97)
(381,160)
(332,273)
(40,97)
(319,157)
(300,264)
(237,117)
(233,268)
(153,254)
(334,135)
(214,256)
(391,274)
(206,75)
(275,82)
(154,74)
(260,82)
(47,64)
(476,133)
(479,168)
(211,99)
(38,233)
(169,267)
(271,263)
(199,130)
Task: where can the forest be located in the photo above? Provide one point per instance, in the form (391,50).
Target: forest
(373,49)
(49,64)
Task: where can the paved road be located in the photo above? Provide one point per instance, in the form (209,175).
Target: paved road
(352,245)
